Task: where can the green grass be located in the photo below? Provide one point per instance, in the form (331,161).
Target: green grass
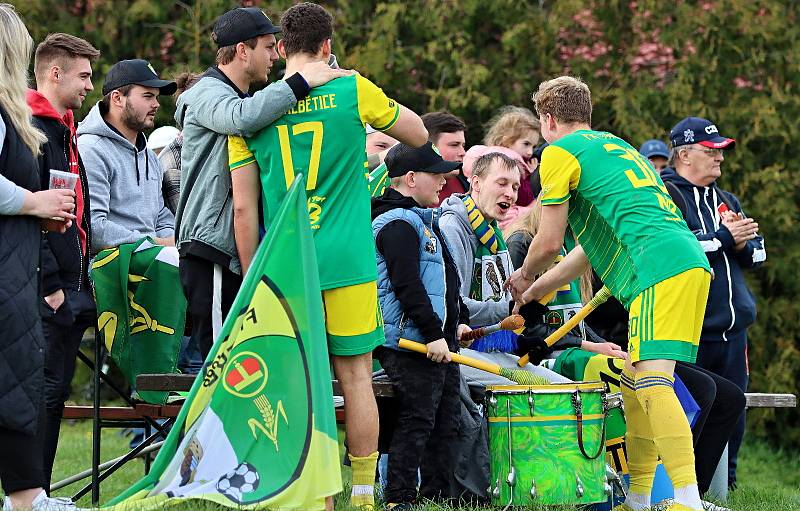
(769,479)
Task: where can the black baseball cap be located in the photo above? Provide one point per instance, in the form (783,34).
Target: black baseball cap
(241,24)
(696,130)
(402,159)
(136,72)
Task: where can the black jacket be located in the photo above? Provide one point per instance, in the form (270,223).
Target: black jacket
(21,338)
(731,306)
(64,264)
(395,242)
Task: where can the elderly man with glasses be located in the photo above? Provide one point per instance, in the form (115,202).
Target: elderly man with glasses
(732,243)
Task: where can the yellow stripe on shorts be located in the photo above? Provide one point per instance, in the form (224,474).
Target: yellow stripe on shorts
(351,310)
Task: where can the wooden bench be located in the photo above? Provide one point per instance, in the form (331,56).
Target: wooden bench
(119,413)
(183,383)
(383,389)
(759,400)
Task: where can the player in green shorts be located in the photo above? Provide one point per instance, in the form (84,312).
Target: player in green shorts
(635,238)
(323,137)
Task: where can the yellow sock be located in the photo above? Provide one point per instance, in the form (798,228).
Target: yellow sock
(641,450)
(671,432)
(680,507)
(362,495)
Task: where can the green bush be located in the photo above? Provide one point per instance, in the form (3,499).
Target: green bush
(648,64)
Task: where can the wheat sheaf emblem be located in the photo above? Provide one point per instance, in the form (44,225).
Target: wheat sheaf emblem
(270,419)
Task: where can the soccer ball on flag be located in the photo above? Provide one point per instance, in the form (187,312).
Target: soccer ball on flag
(243,479)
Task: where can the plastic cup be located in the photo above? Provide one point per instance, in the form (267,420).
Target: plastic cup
(62,180)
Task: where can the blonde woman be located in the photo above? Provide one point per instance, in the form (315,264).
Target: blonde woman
(21,345)
(569,300)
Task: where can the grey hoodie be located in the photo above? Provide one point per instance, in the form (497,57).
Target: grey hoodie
(463,244)
(208,112)
(124,186)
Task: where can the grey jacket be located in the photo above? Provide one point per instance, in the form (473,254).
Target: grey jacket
(124,186)
(207,113)
(463,244)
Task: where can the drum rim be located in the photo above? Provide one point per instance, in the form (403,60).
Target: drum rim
(553,388)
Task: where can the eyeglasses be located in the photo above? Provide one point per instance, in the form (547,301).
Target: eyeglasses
(714,153)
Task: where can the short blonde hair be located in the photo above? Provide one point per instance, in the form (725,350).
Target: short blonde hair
(482,165)
(509,125)
(566,98)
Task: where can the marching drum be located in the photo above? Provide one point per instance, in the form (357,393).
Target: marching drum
(546,444)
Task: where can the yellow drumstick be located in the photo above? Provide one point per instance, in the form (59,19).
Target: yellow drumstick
(601,296)
(516,375)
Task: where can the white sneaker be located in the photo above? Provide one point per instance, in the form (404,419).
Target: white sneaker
(707,506)
(710,506)
(44,503)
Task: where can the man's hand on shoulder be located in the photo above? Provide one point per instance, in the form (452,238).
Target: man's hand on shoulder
(166,242)
(319,73)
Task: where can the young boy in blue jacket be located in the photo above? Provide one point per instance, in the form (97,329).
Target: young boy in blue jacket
(418,289)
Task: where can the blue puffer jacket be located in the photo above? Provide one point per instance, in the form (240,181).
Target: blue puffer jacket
(731,306)
(432,274)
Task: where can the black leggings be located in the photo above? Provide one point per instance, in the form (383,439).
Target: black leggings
(197,279)
(61,351)
(21,458)
(721,404)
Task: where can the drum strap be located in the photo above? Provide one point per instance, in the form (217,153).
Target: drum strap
(577,405)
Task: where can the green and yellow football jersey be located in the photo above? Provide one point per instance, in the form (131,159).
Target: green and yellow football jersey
(323,138)
(620,210)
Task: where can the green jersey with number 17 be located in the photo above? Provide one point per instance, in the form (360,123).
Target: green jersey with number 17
(620,210)
(323,138)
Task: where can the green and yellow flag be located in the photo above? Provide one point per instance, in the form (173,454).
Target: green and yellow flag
(141,309)
(258,430)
